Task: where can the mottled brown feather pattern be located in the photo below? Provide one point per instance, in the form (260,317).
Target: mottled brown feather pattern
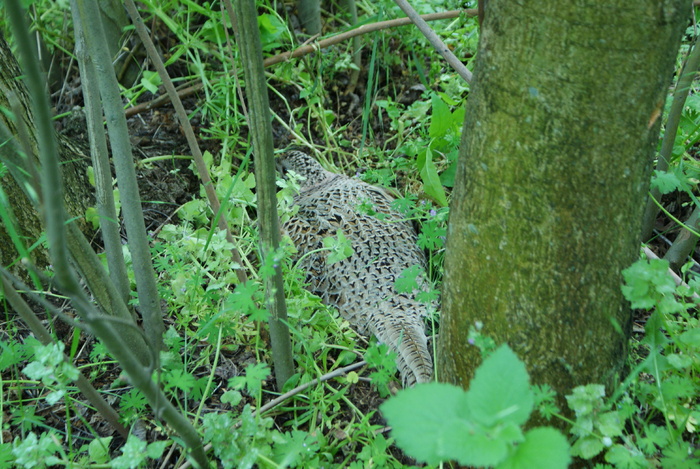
(361,286)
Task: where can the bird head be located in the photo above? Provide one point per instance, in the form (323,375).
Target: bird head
(304,165)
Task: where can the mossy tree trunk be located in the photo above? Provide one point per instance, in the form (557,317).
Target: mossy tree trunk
(14,96)
(310,16)
(561,127)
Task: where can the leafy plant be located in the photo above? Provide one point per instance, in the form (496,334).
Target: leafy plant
(648,421)
(438,422)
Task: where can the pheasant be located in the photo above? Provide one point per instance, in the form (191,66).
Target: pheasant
(361,286)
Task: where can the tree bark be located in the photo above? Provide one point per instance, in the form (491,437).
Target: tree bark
(14,96)
(310,16)
(554,169)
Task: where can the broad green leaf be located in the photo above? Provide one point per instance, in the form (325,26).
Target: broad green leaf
(429,421)
(646,282)
(133,454)
(543,448)
(679,362)
(431,181)
(155,449)
(587,447)
(447,178)
(610,424)
(296,445)
(441,119)
(479,449)
(231,397)
(253,378)
(583,399)
(500,390)
(621,457)
(691,337)
(270,29)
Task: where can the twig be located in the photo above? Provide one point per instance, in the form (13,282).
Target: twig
(676,278)
(685,241)
(436,42)
(685,81)
(293,392)
(306,49)
(163,99)
(44,336)
(364,29)
(300,388)
(189,135)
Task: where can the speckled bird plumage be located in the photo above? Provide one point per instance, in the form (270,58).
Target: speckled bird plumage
(361,286)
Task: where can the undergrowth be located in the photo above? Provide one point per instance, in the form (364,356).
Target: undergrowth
(216,364)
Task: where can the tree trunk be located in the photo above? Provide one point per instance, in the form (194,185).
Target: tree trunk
(14,96)
(554,170)
(310,16)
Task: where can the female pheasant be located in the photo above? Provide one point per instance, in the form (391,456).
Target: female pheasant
(361,286)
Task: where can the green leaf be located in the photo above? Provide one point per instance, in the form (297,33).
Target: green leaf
(441,119)
(405,205)
(584,399)
(432,236)
(679,362)
(407,282)
(622,458)
(6,457)
(98,450)
(218,431)
(297,446)
(340,247)
(477,448)
(691,338)
(254,376)
(231,397)
(680,455)
(383,360)
(447,177)
(243,302)
(496,396)
(271,28)
(431,181)
(429,421)
(543,448)
(669,181)
(610,424)
(180,379)
(646,283)
(133,454)
(655,437)
(151,81)
(587,447)
(155,449)
(34,452)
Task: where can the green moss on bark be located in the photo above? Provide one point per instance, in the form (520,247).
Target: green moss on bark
(553,174)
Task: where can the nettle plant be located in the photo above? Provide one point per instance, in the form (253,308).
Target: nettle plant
(648,421)
(480,427)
